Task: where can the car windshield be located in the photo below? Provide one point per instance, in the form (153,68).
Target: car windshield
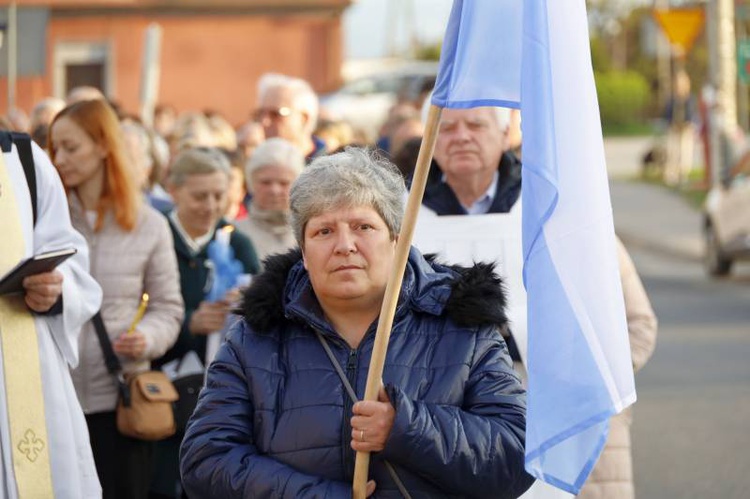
(380,85)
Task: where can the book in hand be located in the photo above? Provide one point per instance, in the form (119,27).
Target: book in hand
(12,282)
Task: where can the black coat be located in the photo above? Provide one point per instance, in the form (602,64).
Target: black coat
(193,282)
(441,199)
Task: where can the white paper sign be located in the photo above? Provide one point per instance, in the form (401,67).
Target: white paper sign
(482,238)
(487,238)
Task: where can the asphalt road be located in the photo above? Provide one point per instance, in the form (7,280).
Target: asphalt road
(690,435)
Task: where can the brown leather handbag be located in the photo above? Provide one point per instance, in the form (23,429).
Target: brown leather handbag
(144,406)
(144,409)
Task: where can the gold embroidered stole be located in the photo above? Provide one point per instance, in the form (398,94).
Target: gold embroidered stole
(23,380)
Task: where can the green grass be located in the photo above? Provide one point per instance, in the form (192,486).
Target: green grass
(627,129)
(695,197)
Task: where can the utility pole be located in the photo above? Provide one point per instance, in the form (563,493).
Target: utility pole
(723,51)
(150,72)
(663,61)
(742,98)
(727,73)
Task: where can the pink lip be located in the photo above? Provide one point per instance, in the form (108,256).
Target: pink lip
(347,267)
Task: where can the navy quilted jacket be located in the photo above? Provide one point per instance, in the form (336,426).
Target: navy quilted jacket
(274,418)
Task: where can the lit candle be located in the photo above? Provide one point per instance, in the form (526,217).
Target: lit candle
(223,235)
(139,313)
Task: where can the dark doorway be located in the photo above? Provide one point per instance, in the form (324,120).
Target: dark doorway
(89,74)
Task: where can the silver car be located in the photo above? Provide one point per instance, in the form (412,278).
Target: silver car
(364,102)
(726,225)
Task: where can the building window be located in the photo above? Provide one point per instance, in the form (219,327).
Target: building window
(82,63)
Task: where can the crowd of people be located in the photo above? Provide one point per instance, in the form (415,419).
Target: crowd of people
(312,211)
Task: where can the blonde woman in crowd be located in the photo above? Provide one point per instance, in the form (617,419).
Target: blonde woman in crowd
(198,182)
(131,253)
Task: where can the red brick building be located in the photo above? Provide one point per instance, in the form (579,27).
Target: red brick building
(212,51)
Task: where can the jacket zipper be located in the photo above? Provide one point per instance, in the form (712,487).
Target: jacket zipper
(346,428)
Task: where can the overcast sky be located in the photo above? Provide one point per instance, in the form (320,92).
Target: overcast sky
(366,24)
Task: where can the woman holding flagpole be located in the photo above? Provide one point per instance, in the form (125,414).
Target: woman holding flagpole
(280,415)
(131,254)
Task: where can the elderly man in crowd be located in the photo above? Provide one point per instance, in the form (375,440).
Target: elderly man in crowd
(288,108)
(472,172)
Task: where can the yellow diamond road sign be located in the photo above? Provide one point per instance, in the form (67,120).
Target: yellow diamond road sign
(682,26)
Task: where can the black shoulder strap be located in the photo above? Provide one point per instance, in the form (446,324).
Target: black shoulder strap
(110,359)
(113,363)
(6,141)
(23,144)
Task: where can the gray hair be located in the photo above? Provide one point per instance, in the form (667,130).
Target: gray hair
(501,114)
(275,152)
(354,177)
(304,97)
(197,161)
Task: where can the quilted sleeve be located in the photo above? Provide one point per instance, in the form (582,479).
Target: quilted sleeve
(218,457)
(476,449)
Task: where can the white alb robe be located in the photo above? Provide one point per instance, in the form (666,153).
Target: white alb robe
(72,463)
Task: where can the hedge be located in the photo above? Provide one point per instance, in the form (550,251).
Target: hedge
(623,99)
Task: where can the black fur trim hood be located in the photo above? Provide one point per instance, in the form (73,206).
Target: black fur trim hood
(470,296)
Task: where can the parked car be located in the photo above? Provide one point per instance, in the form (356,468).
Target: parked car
(726,226)
(364,102)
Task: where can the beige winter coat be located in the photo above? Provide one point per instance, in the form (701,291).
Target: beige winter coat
(127,264)
(269,231)
(612,477)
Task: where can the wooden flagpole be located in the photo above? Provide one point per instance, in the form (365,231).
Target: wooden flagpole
(393,288)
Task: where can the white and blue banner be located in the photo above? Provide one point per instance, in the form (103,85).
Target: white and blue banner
(534,55)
